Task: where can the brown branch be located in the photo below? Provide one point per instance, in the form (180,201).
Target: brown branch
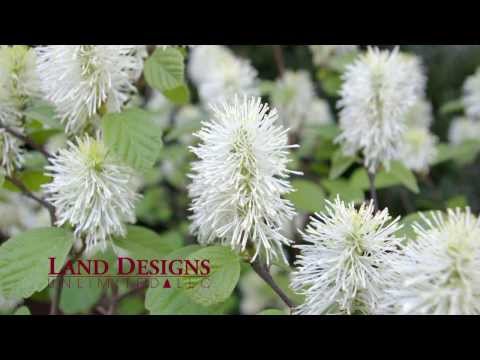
(21,186)
(54,306)
(279,59)
(262,271)
(27,141)
(373,190)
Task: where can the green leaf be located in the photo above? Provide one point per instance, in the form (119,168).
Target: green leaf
(2,176)
(32,179)
(175,301)
(142,243)
(445,152)
(132,305)
(398,175)
(24,260)
(308,196)
(44,113)
(328,132)
(273,312)
(340,164)
(347,190)
(80,296)
(450,107)
(457,202)
(330,81)
(22,310)
(223,277)
(165,72)
(179,96)
(133,136)
(404,176)
(467,152)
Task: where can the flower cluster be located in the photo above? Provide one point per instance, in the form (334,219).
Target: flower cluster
(379,88)
(91,191)
(219,74)
(471,97)
(324,54)
(81,81)
(463,129)
(240,179)
(439,271)
(340,270)
(293,96)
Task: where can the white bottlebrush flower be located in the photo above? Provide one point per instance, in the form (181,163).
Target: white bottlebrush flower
(240,179)
(219,74)
(319,114)
(471,97)
(378,90)
(293,96)
(416,72)
(11,153)
(420,115)
(463,129)
(91,191)
(340,270)
(438,273)
(7,305)
(81,79)
(18,213)
(419,149)
(323,54)
(18,73)
(18,82)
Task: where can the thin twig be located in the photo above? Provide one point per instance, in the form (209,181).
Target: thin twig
(54,306)
(373,190)
(27,141)
(21,186)
(279,59)
(264,273)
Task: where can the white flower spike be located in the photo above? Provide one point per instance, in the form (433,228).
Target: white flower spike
(438,273)
(219,74)
(81,79)
(340,270)
(91,192)
(378,90)
(240,179)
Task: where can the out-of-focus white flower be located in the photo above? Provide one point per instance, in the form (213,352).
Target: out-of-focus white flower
(293,96)
(416,72)
(420,115)
(323,54)
(167,46)
(18,213)
(219,74)
(11,153)
(378,90)
(7,305)
(18,82)
(240,179)
(439,272)
(463,129)
(319,114)
(419,149)
(81,79)
(471,97)
(340,270)
(18,73)
(91,191)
